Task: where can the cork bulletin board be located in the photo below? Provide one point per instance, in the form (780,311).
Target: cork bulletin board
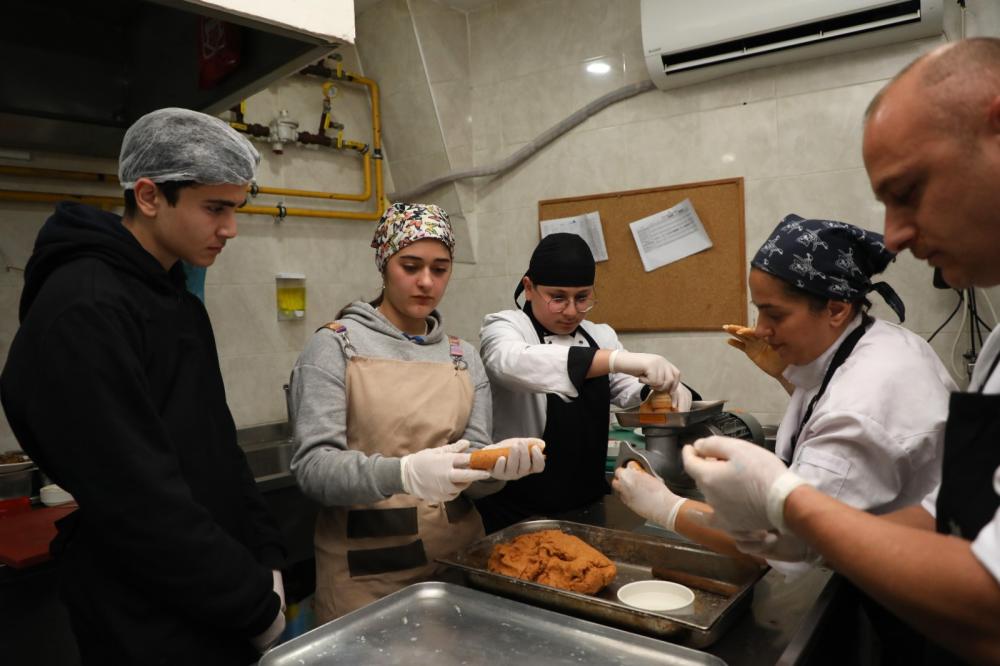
(698,293)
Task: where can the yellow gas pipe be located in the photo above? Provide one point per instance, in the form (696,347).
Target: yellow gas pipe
(280,211)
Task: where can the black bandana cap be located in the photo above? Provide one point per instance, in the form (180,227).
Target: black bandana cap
(560,260)
(830,259)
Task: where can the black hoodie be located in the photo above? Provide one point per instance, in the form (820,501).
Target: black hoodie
(112,385)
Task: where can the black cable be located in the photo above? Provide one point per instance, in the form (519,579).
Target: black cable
(961,299)
(976,319)
(972,325)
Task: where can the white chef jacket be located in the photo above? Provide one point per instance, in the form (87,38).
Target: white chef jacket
(986,545)
(875,438)
(523,370)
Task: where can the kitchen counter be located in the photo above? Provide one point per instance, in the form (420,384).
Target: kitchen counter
(786,623)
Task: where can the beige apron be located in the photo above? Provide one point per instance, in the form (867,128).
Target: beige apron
(394,408)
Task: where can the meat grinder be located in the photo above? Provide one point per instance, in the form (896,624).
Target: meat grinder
(666,434)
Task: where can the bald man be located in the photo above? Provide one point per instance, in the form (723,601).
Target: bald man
(932,152)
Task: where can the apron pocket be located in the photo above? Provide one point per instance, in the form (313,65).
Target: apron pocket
(371,561)
(367,523)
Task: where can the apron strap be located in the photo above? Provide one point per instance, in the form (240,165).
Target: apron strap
(843,351)
(341,331)
(457,355)
(989,373)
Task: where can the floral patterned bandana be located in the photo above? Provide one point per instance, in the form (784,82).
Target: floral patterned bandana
(830,259)
(403,224)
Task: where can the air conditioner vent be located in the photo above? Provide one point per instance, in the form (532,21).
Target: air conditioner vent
(686,43)
(874,19)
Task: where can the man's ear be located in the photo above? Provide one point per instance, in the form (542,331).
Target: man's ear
(147,197)
(841,312)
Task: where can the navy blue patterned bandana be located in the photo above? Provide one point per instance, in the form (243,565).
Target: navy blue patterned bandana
(829,259)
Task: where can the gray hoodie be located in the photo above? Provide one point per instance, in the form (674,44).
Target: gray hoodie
(326,470)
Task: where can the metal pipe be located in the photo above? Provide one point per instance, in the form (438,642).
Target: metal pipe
(280,211)
(364,196)
(58,173)
(56,197)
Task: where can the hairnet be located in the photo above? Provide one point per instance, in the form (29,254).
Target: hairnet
(179,144)
(560,260)
(829,259)
(404,223)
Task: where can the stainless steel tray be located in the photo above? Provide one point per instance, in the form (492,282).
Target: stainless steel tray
(699,625)
(444,624)
(700,410)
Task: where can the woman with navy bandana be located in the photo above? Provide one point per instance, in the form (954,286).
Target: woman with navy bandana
(865,423)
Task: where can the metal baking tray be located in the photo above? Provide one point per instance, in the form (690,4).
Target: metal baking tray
(698,625)
(700,411)
(445,624)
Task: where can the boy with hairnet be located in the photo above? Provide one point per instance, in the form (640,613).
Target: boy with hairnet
(113,386)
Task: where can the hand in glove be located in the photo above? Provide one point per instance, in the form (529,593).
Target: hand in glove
(756,349)
(279,587)
(437,475)
(776,547)
(745,484)
(647,496)
(265,641)
(650,369)
(523,460)
(681,398)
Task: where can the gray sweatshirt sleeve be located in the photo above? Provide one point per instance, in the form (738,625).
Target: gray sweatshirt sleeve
(323,466)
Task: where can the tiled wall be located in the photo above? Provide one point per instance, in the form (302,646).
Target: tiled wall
(463,89)
(793,132)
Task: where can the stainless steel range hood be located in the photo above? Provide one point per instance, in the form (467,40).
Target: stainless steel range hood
(77,74)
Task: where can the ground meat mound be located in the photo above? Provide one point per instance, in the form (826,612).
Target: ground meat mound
(554,558)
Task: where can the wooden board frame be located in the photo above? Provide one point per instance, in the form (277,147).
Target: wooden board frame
(698,293)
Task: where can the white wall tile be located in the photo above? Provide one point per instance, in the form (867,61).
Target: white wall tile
(821,131)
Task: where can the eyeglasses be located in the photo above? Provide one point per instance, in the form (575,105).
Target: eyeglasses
(558,305)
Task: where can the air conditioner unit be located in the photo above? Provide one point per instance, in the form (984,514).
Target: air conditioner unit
(687,41)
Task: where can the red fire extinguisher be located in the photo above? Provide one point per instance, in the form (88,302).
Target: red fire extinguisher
(219,47)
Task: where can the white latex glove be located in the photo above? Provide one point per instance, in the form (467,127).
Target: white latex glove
(650,369)
(745,484)
(436,475)
(523,460)
(279,588)
(775,546)
(647,496)
(681,398)
(266,640)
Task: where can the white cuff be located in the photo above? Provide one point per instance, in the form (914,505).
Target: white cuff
(611,361)
(776,496)
(672,516)
(402,475)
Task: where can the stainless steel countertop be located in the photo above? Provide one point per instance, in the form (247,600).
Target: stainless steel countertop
(782,619)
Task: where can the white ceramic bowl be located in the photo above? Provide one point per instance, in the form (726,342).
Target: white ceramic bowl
(656,595)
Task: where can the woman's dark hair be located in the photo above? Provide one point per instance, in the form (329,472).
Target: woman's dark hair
(817,303)
(171,192)
(374,304)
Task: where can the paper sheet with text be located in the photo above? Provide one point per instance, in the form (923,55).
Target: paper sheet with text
(669,235)
(587,226)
